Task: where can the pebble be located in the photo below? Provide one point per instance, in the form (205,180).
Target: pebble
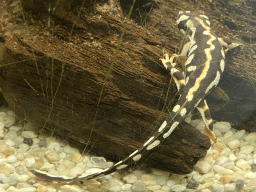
(202,166)
(76,171)
(29,134)
(131,178)
(76,157)
(70,188)
(139,187)
(178,188)
(250,175)
(234,144)
(126,187)
(221,170)
(192,185)
(1,130)
(52,156)
(29,162)
(10,181)
(28,141)
(246,149)
(228,165)
(253,167)
(222,126)
(239,134)
(239,184)
(10,119)
(53,146)
(11,159)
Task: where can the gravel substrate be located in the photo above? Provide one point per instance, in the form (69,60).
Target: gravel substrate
(230,164)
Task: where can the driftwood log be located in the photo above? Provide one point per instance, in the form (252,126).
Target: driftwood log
(55,57)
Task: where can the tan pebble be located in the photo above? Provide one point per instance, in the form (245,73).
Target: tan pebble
(76,171)
(237,176)
(218,146)
(251,137)
(243,165)
(39,164)
(75,157)
(41,188)
(70,188)
(226,179)
(149,182)
(247,167)
(208,184)
(147,177)
(52,156)
(209,159)
(234,144)
(92,185)
(246,150)
(202,166)
(5,149)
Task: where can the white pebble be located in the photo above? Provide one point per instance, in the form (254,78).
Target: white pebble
(234,144)
(222,126)
(153,187)
(52,156)
(53,146)
(70,188)
(70,150)
(251,137)
(202,166)
(23,148)
(10,143)
(227,135)
(221,160)
(232,157)
(11,135)
(76,158)
(131,178)
(217,187)
(229,187)
(29,162)
(76,171)
(178,188)
(221,170)
(7,169)
(229,165)
(23,178)
(10,120)
(225,152)
(246,149)
(251,175)
(11,159)
(126,187)
(240,163)
(28,134)
(239,134)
